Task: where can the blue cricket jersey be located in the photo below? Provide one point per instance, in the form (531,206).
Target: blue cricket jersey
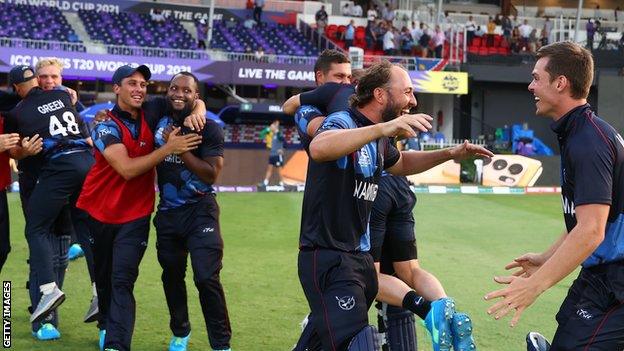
(339,195)
(592,166)
(177,184)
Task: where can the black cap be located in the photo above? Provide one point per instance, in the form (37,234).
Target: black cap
(21,74)
(126,71)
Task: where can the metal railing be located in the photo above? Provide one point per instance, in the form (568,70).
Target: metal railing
(319,39)
(241,57)
(269,5)
(441,144)
(41,44)
(156,52)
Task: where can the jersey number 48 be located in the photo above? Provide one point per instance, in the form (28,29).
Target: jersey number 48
(57,127)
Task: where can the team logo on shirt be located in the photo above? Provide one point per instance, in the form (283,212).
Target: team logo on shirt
(364,158)
(346,302)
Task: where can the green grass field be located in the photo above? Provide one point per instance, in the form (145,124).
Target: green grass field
(463,239)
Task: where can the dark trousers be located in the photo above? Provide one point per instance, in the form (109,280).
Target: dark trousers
(82,236)
(592,315)
(194,229)
(58,239)
(257,14)
(5,238)
(59,245)
(118,250)
(59,182)
(438,51)
(340,288)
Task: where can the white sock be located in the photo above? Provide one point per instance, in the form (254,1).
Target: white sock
(48,288)
(265,182)
(94,290)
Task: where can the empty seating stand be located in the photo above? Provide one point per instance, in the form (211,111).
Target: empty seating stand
(274,38)
(38,23)
(499,46)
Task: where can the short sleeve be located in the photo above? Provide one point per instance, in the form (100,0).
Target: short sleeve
(391,154)
(593,172)
(338,120)
(212,140)
(105,134)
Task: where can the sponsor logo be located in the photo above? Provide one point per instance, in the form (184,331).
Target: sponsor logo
(208,230)
(346,303)
(450,83)
(103,132)
(174,159)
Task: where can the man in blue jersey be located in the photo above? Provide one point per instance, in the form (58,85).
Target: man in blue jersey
(59,171)
(187,221)
(348,154)
(391,224)
(592,189)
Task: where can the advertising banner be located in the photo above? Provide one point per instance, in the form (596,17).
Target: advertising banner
(80,64)
(102,66)
(440,82)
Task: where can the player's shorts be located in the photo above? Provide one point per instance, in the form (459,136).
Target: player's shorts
(592,315)
(340,288)
(392,222)
(276,160)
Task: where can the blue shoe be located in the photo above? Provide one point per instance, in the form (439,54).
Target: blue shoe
(47,332)
(102,337)
(223,350)
(179,343)
(462,333)
(75,251)
(438,323)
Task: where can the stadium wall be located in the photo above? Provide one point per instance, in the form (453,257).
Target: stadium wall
(246,166)
(610,102)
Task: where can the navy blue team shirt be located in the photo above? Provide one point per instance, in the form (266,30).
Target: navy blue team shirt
(51,115)
(177,184)
(339,196)
(592,172)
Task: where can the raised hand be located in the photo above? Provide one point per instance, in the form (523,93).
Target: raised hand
(528,264)
(407,126)
(466,150)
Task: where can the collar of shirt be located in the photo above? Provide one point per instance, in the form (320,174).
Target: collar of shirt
(34,91)
(563,125)
(123,115)
(359,118)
